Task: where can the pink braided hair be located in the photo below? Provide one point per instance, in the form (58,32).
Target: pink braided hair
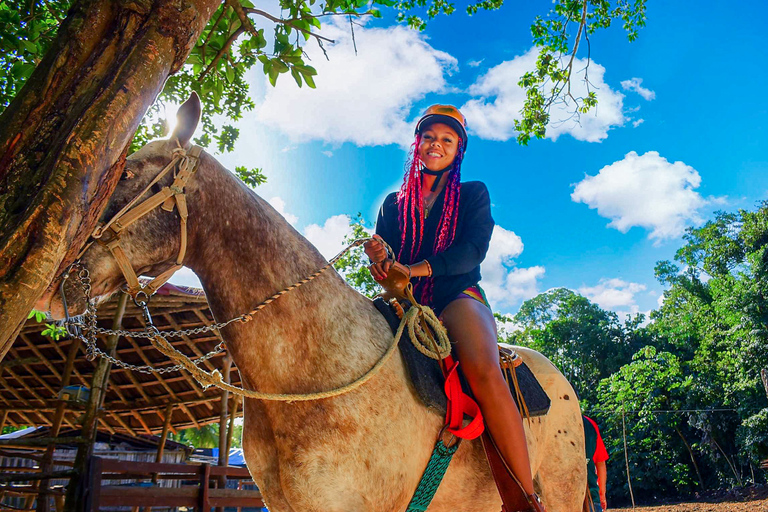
(411,211)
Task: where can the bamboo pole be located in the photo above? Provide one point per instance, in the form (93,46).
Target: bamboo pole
(163,437)
(3,418)
(223,452)
(231,429)
(226,372)
(76,488)
(43,505)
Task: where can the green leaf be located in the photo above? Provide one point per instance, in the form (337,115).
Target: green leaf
(279,66)
(296,76)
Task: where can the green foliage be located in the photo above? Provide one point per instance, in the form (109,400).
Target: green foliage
(653,382)
(353,266)
(559,36)
(584,341)
(53,331)
(251,177)
(28,28)
(686,389)
(206,436)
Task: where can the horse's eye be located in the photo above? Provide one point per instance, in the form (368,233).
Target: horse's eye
(127,175)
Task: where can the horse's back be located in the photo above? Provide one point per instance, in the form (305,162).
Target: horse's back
(556,440)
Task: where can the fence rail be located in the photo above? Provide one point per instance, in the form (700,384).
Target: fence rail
(197,493)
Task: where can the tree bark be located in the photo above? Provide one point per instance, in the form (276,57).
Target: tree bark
(64,138)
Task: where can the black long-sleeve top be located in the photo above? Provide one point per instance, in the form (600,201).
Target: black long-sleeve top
(458,267)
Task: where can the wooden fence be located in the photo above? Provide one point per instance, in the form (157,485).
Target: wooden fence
(195,490)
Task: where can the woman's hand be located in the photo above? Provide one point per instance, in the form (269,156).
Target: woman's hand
(375,250)
(380,270)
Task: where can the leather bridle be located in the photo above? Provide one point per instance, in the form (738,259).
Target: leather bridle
(184,164)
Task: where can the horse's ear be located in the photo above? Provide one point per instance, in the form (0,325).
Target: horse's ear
(186,119)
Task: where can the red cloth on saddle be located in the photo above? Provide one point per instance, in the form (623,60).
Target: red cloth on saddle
(459,404)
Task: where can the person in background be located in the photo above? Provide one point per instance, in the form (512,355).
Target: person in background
(596,469)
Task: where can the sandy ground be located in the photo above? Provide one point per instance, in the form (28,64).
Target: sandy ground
(760,505)
(749,499)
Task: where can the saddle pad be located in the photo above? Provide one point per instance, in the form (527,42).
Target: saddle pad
(428,381)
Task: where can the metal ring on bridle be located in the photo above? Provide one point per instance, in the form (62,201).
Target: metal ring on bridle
(142,303)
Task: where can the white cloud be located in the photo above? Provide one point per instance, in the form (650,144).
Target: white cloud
(329,238)
(499,101)
(646,191)
(506,285)
(634,85)
(613,294)
(637,123)
(362,98)
(475,63)
(329,154)
(279,205)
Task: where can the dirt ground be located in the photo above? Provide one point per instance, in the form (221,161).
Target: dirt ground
(744,500)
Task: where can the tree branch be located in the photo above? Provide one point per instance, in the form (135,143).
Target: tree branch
(224,50)
(582,24)
(287,23)
(244,19)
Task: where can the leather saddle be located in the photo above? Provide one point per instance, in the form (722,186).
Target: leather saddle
(428,381)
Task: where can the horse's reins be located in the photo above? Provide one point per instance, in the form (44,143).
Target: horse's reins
(108,236)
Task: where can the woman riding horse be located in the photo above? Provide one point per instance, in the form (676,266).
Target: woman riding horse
(440,228)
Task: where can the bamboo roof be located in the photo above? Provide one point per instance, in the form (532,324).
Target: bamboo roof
(135,402)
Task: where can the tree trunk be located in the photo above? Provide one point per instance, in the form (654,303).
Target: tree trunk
(64,138)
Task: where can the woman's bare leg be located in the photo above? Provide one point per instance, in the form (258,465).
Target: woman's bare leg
(472,328)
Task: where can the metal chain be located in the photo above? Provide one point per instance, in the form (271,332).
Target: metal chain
(86,331)
(79,329)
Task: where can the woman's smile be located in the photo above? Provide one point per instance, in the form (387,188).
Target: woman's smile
(438,147)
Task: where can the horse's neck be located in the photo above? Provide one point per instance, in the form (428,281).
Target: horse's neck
(244,251)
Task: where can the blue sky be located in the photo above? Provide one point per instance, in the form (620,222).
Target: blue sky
(679,133)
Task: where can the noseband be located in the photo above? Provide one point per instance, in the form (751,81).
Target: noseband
(184,164)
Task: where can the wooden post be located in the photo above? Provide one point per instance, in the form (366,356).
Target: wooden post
(764,376)
(231,429)
(223,452)
(76,490)
(223,416)
(163,437)
(43,500)
(626,457)
(202,497)
(3,419)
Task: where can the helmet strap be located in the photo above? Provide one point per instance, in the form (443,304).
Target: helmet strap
(438,174)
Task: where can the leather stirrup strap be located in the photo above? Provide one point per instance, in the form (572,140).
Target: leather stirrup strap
(459,405)
(513,497)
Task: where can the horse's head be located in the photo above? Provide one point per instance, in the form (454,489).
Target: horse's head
(151,243)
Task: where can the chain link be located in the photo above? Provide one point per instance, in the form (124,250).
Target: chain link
(88,329)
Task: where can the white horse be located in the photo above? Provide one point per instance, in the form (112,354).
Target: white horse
(362,451)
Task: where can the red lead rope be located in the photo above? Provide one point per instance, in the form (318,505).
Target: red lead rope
(460,404)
